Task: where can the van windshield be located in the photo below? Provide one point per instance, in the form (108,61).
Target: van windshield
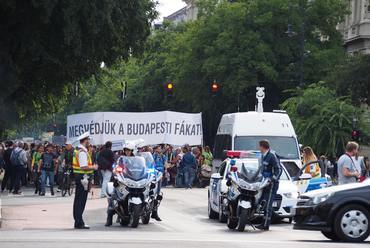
(285,147)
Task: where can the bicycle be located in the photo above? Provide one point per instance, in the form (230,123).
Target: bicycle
(66,186)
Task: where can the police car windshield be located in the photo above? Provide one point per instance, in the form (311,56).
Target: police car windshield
(248,169)
(285,147)
(249,164)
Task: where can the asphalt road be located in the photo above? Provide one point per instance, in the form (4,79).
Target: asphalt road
(33,221)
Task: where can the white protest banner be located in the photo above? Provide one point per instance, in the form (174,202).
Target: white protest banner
(164,127)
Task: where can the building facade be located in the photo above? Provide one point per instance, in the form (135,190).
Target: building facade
(356,27)
(188,13)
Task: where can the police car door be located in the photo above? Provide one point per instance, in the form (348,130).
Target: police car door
(216,184)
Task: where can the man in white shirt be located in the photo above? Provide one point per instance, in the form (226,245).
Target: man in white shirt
(19,162)
(347,171)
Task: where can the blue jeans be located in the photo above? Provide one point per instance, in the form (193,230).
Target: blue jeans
(180,177)
(44,176)
(189,176)
(106,175)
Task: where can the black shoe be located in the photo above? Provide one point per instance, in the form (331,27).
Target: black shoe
(42,194)
(52,192)
(109,221)
(155,216)
(262,227)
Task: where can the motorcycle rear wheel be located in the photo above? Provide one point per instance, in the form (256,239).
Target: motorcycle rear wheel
(145,219)
(124,221)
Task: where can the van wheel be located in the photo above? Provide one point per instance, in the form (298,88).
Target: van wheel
(352,223)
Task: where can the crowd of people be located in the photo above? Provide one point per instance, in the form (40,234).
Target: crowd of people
(350,167)
(43,165)
(181,166)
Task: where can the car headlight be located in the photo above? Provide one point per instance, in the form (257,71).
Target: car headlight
(291,195)
(319,199)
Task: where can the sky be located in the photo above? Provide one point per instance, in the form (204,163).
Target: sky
(167,7)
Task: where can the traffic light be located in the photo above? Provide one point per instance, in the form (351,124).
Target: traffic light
(355,135)
(215,88)
(169,88)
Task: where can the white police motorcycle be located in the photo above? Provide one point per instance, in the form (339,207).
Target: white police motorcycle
(245,190)
(131,193)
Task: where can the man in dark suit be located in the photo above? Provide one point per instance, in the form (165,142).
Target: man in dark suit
(271,169)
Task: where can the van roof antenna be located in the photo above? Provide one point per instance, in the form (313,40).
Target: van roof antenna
(260,95)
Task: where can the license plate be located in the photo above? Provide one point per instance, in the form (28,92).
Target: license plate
(274,204)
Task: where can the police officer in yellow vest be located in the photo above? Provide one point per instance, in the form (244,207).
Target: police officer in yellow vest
(83,169)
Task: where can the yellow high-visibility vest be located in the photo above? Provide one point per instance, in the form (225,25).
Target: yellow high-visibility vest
(76,163)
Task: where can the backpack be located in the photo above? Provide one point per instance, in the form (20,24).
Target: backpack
(14,158)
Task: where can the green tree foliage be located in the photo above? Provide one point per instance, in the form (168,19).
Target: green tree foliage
(240,44)
(321,119)
(352,77)
(244,44)
(47,46)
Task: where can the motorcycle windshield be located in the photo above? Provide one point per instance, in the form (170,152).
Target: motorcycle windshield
(133,168)
(249,170)
(149,160)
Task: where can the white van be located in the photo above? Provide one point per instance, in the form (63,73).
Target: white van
(243,131)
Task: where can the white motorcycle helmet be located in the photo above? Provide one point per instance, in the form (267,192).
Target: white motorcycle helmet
(129,146)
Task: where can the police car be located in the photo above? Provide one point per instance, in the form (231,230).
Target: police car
(304,181)
(283,204)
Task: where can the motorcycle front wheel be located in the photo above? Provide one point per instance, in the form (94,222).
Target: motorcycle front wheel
(232,223)
(243,219)
(135,215)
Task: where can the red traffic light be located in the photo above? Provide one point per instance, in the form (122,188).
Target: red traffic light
(215,87)
(355,135)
